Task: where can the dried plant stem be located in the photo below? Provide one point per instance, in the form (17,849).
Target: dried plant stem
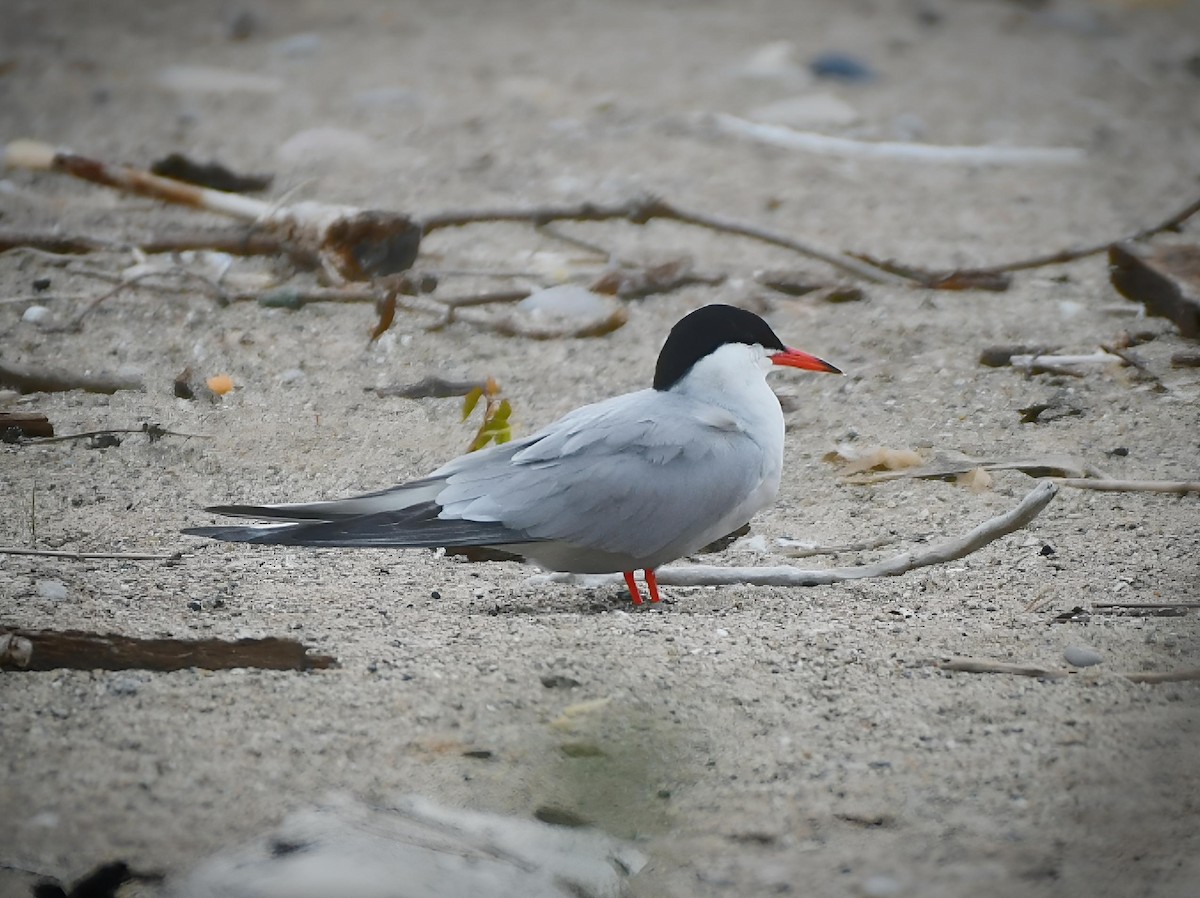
(647,209)
(983,665)
(1181,487)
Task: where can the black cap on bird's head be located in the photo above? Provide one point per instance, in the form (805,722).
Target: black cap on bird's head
(707,329)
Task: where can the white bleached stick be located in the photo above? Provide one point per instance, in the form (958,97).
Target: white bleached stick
(707,575)
(823,144)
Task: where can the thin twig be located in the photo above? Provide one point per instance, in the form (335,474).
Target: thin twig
(1181,487)
(151,430)
(974,665)
(89,556)
(1058,257)
(989,531)
(1164,676)
(643,210)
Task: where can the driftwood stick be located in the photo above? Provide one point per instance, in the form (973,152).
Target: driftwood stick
(848,148)
(706,575)
(79,650)
(31,380)
(975,665)
(352,244)
(1181,487)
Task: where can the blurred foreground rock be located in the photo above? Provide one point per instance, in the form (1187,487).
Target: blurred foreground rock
(416,849)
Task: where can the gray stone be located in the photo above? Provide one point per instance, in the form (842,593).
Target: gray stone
(1081,656)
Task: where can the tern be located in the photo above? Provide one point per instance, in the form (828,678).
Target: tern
(626,484)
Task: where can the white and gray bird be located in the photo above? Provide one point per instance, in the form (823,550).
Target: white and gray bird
(626,484)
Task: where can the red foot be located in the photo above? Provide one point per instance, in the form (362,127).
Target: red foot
(634,592)
(652,583)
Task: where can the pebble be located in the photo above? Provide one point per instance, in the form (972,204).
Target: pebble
(52,590)
(775,61)
(325,144)
(881,886)
(306,44)
(566,303)
(124,686)
(811,111)
(36,315)
(1081,656)
(396,97)
(292,376)
(212,80)
(836,66)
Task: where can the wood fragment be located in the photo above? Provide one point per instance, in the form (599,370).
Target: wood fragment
(27,424)
(1002,356)
(1059,362)
(431,387)
(352,244)
(208,174)
(1165,280)
(50,380)
(387,314)
(80,650)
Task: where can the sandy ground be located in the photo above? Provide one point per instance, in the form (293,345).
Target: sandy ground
(755,740)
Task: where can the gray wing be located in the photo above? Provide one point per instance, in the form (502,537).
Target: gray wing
(413,526)
(628,476)
(404,515)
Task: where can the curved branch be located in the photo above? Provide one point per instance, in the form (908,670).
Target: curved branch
(989,531)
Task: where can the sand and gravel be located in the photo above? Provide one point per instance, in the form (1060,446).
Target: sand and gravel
(751,740)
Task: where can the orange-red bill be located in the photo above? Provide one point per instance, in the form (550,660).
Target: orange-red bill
(794,358)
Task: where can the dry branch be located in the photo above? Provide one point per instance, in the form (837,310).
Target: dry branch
(1181,487)
(977,665)
(996,275)
(49,380)
(989,531)
(647,209)
(353,244)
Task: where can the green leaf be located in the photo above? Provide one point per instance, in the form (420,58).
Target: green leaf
(470,401)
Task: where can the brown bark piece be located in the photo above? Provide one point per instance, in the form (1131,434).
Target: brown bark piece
(1166,280)
(80,650)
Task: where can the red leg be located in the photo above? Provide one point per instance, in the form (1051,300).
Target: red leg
(634,592)
(652,584)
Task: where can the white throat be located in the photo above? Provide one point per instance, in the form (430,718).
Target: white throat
(734,377)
